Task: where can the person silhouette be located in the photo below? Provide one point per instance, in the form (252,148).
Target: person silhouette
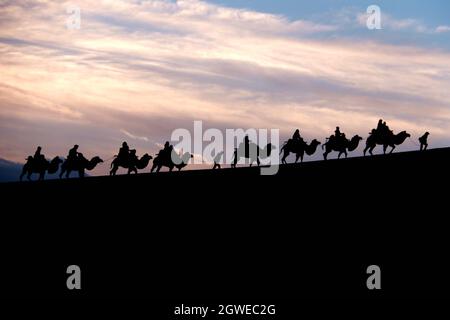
(37,158)
(217,160)
(297,136)
(132,161)
(133,157)
(386,130)
(247,146)
(167,151)
(73,154)
(124,152)
(337,135)
(235,158)
(424,141)
(380,125)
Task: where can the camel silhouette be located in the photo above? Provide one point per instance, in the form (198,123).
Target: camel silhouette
(140,164)
(252,153)
(174,161)
(80,164)
(299,148)
(41,167)
(342,146)
(391,140)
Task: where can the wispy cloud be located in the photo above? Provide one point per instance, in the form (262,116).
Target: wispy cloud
(441,29)
(132,136)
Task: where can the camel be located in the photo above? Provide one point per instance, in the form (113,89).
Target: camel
(342,147)
(81,164)
(140,164)
(251,154)
(44,165)
(174,161)
(391,140)
(299,148)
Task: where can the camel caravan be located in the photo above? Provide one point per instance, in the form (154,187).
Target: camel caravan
(167,157)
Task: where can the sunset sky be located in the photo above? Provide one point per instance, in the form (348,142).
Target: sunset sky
(137,70)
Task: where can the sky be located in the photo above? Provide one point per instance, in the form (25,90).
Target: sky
(138,70)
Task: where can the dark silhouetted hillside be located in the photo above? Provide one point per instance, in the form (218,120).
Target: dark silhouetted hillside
(310,231)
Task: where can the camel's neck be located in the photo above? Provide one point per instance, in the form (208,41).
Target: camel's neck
(91,165)
(311,149)
(143,162)
(353,144)
(400,138)
(53,167)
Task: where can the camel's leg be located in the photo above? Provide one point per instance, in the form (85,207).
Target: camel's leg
(371,150)
(339,155)
(29,175)
(283,160)
(393,147)
(258,162)
(384,148)
(297,156)
(158,168)
(365,150)
(346,155)
(301,158)
(325,155)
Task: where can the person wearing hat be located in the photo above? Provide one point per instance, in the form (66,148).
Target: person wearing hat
(424,141)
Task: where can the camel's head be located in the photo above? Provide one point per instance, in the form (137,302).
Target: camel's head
(406,134)
(97,159)
(29,158)
(57,160)
(147,156)
(358,138)
(315,142)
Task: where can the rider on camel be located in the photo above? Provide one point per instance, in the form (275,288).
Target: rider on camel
(337,135)
(38,157)
(297,137)
(167,151)
(132,157)
(124,152)
(73,154)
